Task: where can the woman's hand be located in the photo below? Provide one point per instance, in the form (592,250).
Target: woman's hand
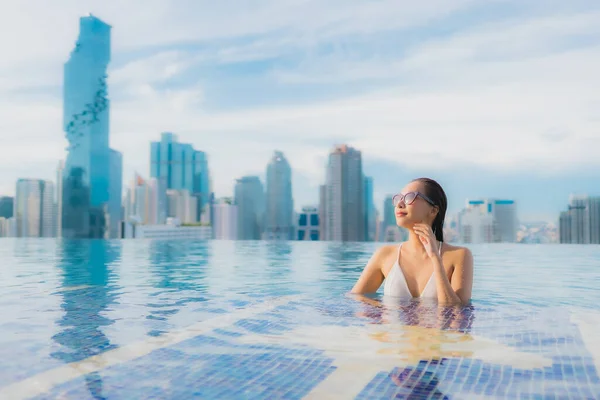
(427,238)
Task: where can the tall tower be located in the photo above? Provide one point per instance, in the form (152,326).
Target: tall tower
(279,201)
(86,212)
(181,167)
(344,196)
(250,201)
(34,208)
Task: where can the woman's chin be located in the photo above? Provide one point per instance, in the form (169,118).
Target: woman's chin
(403,222)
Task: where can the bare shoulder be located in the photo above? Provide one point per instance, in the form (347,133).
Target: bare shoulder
(459,250)
(386,250)
(458,254)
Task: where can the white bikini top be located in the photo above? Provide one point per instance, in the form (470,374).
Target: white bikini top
(395,283)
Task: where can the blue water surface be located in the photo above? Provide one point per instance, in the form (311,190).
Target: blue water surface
(273,320)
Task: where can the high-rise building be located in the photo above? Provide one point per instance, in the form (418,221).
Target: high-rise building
(158,201)
(488,221)
(370,211)
(86,190)
(580,224)
(182,167)
(59,195)
(343,201)
(308,224)
(34,208)
(6,207)
(476,226)
(115,190)
(8,227)
(146,201)
(249,197)
(322,211)
(224,219)
(564,227)
(279,212)
(182,205)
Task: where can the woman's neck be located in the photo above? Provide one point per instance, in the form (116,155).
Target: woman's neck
(414,244)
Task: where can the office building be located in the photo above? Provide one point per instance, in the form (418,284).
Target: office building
(8,227)
(488,221)
(6,207)
(580,224)
(182,167)
(59,195)
(34,208)
(343,196)
(183,206)
(224,219)
(370,212)
(308,224)
(86,185)
(249,197)
(279,210)
(476,226)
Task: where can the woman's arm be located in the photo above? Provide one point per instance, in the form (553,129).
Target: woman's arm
(458,290)
(372,276)
(462,278)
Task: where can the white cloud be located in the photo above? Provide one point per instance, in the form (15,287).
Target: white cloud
(487,95)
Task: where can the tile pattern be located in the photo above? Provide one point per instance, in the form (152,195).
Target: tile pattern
(219,364)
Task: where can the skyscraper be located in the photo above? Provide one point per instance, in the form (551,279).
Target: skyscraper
(59,194)
(34,208)
(182,167)
(87,186)
(115,190)
(249,197)
(581,223)
(224,219)
(6,207)
(370,211)
(488,221)
(279,218)
(343,201)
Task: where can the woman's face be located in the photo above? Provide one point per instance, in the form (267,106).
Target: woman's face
(412,206)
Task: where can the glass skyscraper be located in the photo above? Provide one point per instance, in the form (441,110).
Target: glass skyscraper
(342,197)
(6,207)
(370,211)
(90,175)
(249,197)
(182,167)
(34,208)
(279,211)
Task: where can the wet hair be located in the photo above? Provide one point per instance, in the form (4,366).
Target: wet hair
(434,191)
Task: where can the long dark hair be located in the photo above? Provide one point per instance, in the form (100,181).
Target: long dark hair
(434,191)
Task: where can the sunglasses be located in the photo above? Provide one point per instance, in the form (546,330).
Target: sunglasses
(410,198)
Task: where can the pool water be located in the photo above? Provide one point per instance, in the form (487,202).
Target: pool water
(138,319)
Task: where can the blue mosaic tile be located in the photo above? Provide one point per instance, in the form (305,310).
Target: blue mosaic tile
(189,369)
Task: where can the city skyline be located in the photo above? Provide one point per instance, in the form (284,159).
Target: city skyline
(486,121)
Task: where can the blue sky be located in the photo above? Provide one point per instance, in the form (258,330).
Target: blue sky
(495,98)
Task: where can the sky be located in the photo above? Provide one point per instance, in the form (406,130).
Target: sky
(497,98)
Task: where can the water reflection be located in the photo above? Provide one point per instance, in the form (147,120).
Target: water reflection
(279,256)
(346,257)
(88,289)
(178,271)
(416,332)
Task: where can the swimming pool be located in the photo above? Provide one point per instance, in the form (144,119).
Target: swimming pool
(218,320)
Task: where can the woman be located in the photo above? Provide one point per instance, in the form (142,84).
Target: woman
(420,267)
